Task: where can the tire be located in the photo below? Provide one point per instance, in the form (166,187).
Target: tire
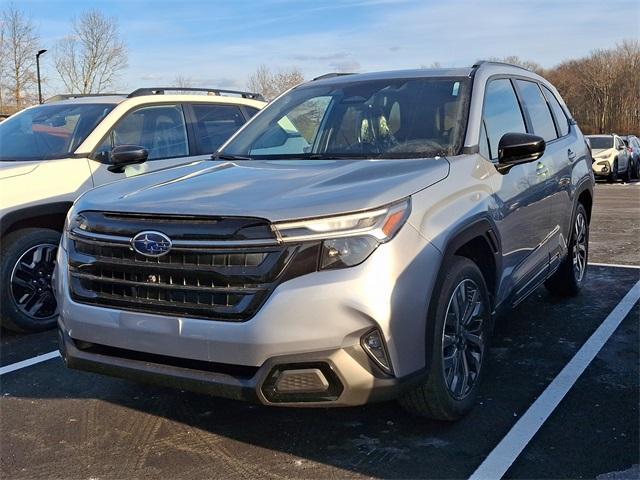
(568,279)
(613,177)
(27,260)
(441,397)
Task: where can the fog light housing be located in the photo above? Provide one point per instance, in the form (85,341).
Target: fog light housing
(373,343)
(302,382)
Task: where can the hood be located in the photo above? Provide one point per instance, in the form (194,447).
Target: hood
(15,169)
(275,190)
(602,152)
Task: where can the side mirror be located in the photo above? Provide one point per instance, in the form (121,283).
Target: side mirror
(124,155)
(517,148)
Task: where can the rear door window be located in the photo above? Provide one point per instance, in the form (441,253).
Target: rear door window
(215,124)
(501,113)
(562,122)
(538,110)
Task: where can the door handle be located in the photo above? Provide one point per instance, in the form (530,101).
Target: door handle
(571,155)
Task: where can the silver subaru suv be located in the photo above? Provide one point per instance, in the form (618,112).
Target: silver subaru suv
(352,243)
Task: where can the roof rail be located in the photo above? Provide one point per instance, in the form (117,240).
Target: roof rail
(210,91)
(331,75)
(70,96)
(495,62)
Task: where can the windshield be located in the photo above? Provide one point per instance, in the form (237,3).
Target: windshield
(392,118)
(49,131)
(600,143)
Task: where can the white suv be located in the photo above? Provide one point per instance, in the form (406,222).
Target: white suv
(52,153)
(610,157)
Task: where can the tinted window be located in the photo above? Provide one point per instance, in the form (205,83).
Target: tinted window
(160,129)
(502,113)
(251,111)
(215,124)
(382,118)
(601,142)
(558,112)
(295,132)
(538,109)
(49,131)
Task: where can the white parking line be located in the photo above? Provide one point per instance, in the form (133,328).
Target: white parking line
(28,362)
(616,265)
(505,453)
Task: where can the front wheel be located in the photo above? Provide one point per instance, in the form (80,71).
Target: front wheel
(569,278)
(459,323)
(27,302)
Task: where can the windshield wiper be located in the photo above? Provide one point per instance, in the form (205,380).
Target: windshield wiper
(334,156)
(227,156)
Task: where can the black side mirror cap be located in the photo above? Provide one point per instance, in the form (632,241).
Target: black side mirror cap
(517,148)
(124,155)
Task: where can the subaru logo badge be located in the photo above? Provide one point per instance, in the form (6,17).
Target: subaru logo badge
(151,244)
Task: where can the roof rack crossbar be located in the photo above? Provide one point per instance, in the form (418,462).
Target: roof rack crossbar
(331,75)
(69,96)
(211,91)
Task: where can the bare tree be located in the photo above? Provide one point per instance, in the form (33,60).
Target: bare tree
(271,84)
(17,64)
(90,60)
(3,61)
(601,90)
(182,82)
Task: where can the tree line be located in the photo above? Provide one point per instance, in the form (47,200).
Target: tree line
(601,89)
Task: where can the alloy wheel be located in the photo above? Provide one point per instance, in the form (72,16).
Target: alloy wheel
(31,285)
(580,246)
(463,339)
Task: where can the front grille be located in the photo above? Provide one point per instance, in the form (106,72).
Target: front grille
(228,281)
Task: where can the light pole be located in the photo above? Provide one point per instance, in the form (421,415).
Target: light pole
(40,52)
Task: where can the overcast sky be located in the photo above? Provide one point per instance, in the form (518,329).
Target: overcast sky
(219,43)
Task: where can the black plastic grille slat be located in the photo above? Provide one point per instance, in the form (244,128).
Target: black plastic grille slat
(228,283)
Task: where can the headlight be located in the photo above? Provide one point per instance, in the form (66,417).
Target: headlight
(73,221)
(349,239)
(346,252)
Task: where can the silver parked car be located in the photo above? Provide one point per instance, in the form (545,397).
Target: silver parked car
(352,243)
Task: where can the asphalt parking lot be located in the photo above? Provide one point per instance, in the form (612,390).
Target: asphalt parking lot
(57,423)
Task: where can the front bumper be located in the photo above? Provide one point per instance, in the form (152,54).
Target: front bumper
(351,378)
(314,320)
(602,168)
